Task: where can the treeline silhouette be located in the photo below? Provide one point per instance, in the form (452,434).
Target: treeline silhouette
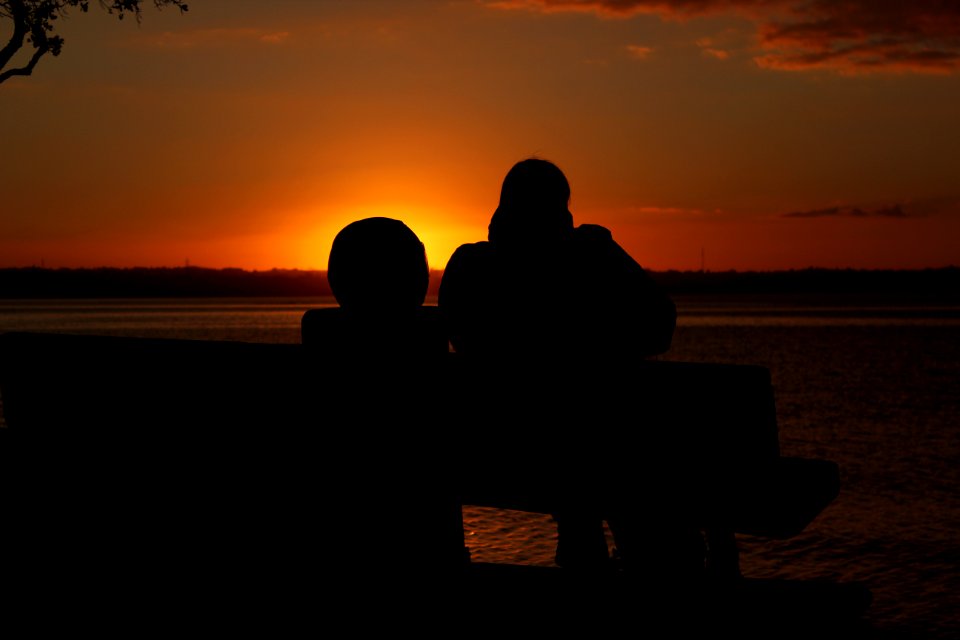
(942,282)
(162,282)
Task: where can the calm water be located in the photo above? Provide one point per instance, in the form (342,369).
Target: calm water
(871,384)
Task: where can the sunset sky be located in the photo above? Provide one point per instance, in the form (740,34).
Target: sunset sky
(767,134)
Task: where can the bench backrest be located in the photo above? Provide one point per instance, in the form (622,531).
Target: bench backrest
(188,397)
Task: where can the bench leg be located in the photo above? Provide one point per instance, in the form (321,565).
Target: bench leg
(581,541)
(659,550)
(723,555)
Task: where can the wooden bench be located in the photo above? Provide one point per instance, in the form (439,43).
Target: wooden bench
(223,461)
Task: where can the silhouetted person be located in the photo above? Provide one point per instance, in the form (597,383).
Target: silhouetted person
(553,311)
(388,455)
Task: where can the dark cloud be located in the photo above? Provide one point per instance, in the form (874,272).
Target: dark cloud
(853,36)
(863,36)
(936,206)
(893,211)
(815,213)
(631,7)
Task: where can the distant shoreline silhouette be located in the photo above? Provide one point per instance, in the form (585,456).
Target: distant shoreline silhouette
(941,284)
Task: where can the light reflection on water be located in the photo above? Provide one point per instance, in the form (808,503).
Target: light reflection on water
(814,311)
(278,319)
(875,388)
(245,319)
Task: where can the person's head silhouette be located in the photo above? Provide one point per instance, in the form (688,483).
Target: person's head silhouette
(378,265)
(534,205)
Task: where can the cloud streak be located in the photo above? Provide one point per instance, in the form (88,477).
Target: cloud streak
(202,38)
(849,37)
(639,52)
(892,211)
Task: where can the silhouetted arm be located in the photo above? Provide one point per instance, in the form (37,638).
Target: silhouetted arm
(639,313)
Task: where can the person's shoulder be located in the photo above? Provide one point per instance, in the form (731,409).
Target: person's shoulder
(596,242)
(471,251)
(468,258)
(593,232)
(473,247)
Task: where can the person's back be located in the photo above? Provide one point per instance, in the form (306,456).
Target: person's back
(553,311)
(585,299)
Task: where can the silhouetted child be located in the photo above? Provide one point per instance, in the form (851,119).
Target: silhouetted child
(555,311)
(393,458)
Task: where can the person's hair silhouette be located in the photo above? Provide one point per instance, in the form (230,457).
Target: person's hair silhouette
(533,209)
(378,264)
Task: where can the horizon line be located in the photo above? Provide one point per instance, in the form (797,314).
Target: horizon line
(440,270)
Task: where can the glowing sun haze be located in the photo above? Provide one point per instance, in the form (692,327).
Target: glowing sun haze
(767,134)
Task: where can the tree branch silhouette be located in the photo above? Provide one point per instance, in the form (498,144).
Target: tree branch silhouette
(35,21)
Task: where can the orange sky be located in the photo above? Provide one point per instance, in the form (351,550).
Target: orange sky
(769,134)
